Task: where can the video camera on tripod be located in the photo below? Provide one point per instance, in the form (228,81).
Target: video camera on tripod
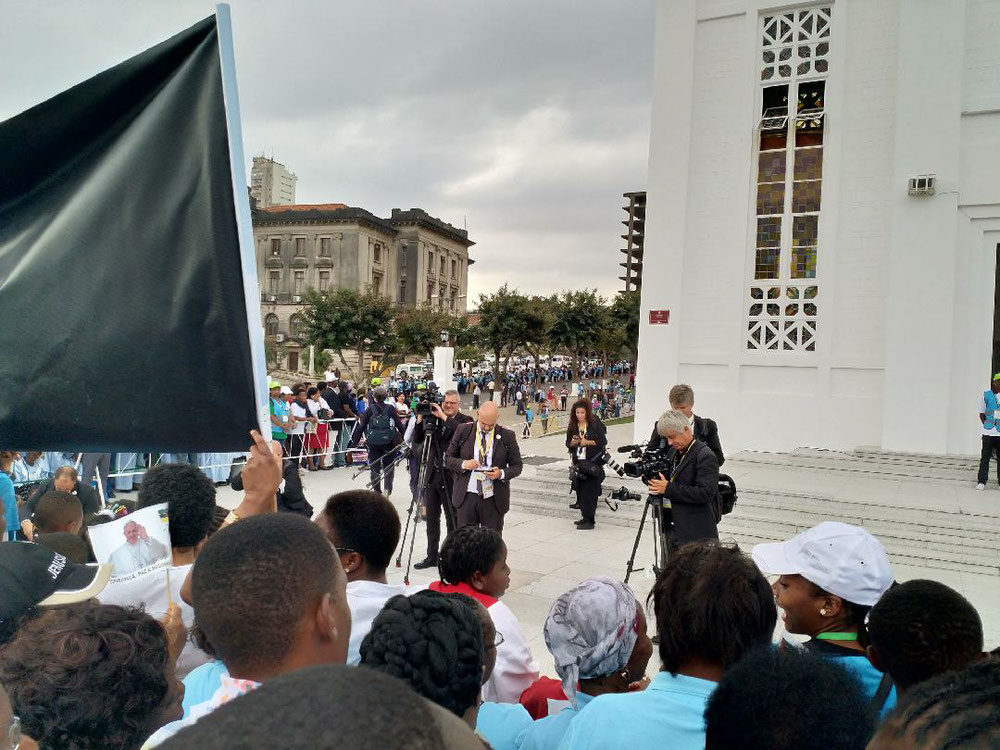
(651,461)
(424,401)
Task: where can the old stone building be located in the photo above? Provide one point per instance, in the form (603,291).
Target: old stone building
(411,257)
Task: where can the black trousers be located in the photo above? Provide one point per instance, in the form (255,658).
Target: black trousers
(375,452)
(991,445)
(588,492)
(296,447)
(437,499)
(480,511)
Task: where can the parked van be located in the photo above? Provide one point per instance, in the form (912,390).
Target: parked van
(411,371)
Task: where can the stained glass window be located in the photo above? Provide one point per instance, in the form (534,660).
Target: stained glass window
(791,121)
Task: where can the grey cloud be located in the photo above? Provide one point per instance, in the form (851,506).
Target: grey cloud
(527,118)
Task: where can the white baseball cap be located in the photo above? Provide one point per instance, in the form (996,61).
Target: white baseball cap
(841,559)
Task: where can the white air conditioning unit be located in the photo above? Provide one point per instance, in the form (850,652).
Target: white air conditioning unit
(922,184)
(279,337)
(272,298)
(297,298)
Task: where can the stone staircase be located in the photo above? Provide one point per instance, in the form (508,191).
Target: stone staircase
(938,535)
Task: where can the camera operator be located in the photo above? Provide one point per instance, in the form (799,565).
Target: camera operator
(448,416)
(705,430)
(586,439)
(693,486)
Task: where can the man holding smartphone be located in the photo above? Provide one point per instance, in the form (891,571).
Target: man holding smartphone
(483,457)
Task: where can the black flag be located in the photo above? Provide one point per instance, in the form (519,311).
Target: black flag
(124,316)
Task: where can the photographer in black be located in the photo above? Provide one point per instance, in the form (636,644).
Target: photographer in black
(586,439)
(693,486)
(444,418)
(681,398)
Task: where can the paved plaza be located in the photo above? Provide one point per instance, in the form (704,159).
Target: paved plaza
(547,555)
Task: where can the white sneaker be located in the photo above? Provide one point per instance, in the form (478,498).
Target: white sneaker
(980,486)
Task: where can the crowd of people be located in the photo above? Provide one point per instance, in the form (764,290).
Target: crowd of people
(273,627)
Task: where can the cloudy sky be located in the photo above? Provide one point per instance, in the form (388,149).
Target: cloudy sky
(526,121)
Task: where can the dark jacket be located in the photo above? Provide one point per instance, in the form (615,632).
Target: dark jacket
(595,431)
(506,456)
(381,407)
(442,439)
(88,496)
(692,492)
(705,430)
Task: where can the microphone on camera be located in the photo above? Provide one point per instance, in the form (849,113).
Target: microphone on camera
(630,448)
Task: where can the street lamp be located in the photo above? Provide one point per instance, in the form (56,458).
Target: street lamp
(444,337)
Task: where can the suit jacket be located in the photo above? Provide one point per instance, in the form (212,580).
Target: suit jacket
(442,439)
(705,430)
(87,495)
(506,456)
(692,491)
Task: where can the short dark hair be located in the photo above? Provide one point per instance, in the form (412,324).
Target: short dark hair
(312,391)
(712,603)
(468,550)
(951,710)
(254,580)
(358,709)
(87,676)
(922,628)
(190,499)
(432,642)
(70,546)
(801,696)
(366,522)
(56,508)
(66,471)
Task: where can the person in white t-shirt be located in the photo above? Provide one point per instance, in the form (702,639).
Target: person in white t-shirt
(299,414)
(363,526)
(190,499)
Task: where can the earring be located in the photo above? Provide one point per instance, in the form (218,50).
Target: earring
(822,611)
(347,570)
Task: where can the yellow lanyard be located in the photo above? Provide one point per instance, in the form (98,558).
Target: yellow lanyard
(483,450)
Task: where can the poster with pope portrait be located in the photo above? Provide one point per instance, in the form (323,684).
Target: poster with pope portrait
(135,544)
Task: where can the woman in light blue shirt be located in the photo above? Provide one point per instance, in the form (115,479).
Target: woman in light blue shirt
(596,633)
(713,606)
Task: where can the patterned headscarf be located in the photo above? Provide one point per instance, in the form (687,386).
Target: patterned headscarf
(591,631)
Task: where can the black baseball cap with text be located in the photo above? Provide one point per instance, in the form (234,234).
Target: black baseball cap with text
(35,576)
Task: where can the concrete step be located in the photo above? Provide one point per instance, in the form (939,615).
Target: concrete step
(933,538)
(906,466)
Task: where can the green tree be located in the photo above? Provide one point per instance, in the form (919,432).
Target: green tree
(538,323)
(418,331)
(624,312)
(270,352)
(503,322)
(578,323)
(345,321)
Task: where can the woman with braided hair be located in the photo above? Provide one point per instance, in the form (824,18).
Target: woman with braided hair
(434,643)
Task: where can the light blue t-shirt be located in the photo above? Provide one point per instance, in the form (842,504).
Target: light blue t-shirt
(858,665)
(501,723)
(201,683)
(547,733)
(670,713)
(9,501)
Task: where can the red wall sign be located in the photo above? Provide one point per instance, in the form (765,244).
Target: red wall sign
(659,317)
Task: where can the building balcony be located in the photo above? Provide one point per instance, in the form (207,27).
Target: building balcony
(281,298)
(273,261)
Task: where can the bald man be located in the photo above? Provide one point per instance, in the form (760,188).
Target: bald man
(483,457)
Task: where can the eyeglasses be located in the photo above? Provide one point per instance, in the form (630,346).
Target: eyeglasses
(14,733)
(496,641)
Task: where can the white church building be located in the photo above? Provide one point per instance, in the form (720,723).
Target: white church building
(823,220)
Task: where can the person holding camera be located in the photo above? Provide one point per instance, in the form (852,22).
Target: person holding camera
(693,485)
(586,439)
(447,417)
(681,398)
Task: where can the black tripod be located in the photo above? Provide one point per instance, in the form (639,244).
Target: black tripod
(426,470)
(663,527)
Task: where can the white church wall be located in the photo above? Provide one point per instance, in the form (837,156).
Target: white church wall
(906,284)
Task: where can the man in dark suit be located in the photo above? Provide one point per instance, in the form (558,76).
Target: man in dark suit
(440,481)
(483,457)
(705,430)
(66,479)
(693,487)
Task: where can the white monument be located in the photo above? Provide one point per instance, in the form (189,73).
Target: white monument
(823,217)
